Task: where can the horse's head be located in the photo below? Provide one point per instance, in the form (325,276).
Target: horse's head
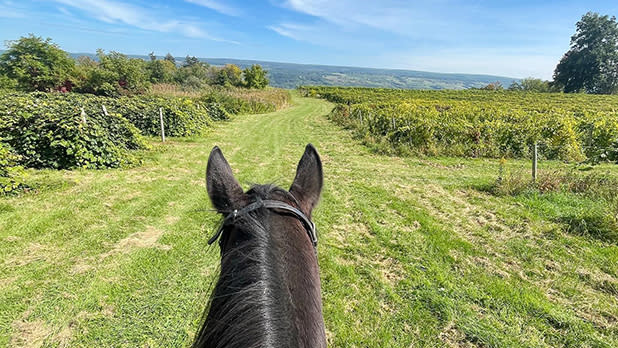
(229,199)
(268,292)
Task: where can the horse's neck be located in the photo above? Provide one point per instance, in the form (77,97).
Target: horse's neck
(277,303)
(303,282)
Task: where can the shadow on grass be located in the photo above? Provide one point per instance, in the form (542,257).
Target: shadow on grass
(598,226)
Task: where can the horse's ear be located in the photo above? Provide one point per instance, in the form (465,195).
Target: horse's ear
(307,184)
(223,189)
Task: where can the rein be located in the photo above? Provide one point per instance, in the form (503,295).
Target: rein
(230,219)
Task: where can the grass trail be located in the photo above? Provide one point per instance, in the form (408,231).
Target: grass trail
(412,253)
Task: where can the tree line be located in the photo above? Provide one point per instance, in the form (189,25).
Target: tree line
(35,64)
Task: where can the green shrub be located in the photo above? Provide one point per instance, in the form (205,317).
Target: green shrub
(47,131)
(181,116)
(11,174)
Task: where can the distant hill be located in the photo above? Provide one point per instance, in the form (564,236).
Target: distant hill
(289,75)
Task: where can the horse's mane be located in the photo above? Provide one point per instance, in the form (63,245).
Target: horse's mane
(251,304)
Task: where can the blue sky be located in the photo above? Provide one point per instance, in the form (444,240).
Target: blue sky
(509,38)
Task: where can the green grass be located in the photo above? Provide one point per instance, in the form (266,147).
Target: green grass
(413,252)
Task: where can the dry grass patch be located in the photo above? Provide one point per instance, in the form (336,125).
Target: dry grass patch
(29,334)
(144,239)
(32,252)
(454,338)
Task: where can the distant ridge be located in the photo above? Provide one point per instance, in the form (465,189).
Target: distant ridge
(291,75)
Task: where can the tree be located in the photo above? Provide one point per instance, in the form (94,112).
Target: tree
(191,61)
(255,77)
(591,64)
(230,74)
(160,71)
(170,58)
(531,84)
(36,64)
(193,73)
(114,74)
(494,86)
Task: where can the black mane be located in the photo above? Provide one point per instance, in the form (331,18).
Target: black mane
(251,304)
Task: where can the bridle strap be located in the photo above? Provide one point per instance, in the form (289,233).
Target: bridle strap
(230,219)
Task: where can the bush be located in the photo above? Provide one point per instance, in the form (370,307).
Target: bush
(11,174)
(47,131)
(181,116)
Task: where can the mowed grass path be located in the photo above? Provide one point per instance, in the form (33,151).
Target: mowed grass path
(411,253)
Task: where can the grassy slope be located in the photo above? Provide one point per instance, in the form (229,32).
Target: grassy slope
(411,253)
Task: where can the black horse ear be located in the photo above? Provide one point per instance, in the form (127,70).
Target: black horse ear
(223,189)
(307,184)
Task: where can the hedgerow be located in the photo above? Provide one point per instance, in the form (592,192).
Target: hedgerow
(181,116)
(68,130)
(479,123)
(49,131)
(11,174)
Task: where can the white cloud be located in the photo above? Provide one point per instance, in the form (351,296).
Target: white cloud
(115,12)
(391,16)
(217,6)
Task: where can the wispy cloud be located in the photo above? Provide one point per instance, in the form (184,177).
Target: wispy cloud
(290,30)
(116,12)
(388,15)
(217,6)
(9,10)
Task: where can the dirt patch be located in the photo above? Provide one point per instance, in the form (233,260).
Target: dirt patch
(31,334)
(144,239)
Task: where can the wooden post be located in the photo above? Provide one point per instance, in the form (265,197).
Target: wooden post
(162,127)
(360,115)
(104,110)
(394,126)
(534,161)
(83,115)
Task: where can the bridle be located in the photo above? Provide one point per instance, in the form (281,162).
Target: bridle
(231,218)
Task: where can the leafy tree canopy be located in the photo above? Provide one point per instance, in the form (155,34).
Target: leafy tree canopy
(532,84)
(229,75)
(255,77)
(591,64)
(36,64)
(114,74)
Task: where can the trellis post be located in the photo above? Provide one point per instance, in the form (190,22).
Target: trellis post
(535,155)
(162,126)
(83,115)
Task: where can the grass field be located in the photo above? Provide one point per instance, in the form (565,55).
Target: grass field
(413,251)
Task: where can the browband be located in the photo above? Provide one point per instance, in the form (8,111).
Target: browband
(230,219)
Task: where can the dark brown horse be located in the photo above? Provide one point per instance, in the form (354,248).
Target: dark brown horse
(268,292)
